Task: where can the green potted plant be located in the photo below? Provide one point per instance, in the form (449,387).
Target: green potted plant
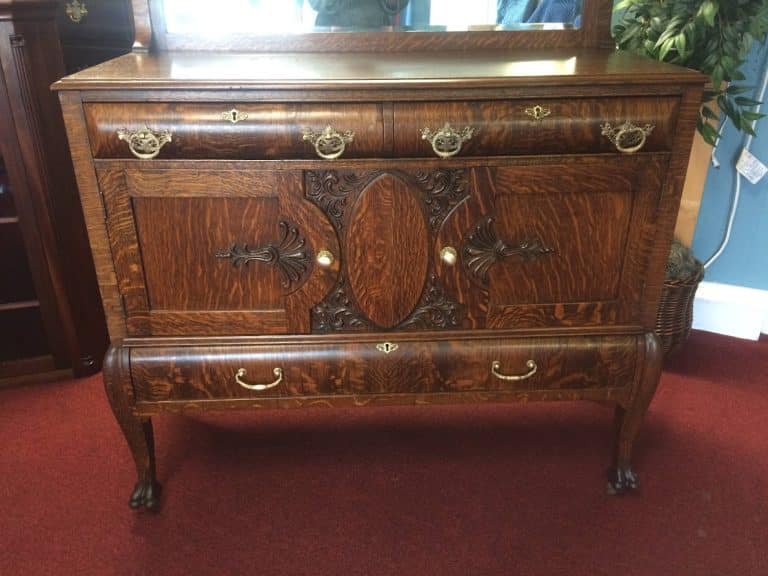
(712,36)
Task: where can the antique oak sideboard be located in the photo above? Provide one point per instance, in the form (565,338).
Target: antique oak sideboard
(369,218)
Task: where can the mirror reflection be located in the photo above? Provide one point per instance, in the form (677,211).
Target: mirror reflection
(301,16)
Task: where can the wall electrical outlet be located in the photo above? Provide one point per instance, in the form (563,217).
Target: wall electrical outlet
(750,167)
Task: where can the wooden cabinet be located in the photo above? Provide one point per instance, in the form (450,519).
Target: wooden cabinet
(51,322)
(93,31)
(289,233)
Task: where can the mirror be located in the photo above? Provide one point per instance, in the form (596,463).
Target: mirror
(270,17)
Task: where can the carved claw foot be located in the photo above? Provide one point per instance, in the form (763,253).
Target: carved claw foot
(145,494)
(622,481)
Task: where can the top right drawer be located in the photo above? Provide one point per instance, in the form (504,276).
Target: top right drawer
(544,126)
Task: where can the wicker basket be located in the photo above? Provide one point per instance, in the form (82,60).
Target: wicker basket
(675,315)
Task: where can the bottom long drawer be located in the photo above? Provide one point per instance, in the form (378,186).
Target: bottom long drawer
(186,373)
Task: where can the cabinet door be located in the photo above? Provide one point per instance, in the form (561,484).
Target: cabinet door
(216,251)
(557,243)
(387,221)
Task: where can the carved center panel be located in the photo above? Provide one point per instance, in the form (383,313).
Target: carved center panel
(387,244)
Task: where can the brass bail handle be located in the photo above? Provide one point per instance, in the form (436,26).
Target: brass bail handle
(145,143)
(76,10)
(447,141)
(530,364)
(241,373)
(627,138)
(329,144)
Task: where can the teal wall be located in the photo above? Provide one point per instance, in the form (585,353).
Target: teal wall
(745,261)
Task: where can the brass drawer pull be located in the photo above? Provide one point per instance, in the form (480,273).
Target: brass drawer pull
(496,366)
(278,372)
(627,138)
(145,143)
(446,141)
(538,113)
(76,11)
(329,143)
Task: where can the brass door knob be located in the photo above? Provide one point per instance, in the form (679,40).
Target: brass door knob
(325,258)
(449,255)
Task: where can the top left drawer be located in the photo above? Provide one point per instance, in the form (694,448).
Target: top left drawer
(249,131)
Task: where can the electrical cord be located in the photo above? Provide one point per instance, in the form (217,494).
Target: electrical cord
(737,186)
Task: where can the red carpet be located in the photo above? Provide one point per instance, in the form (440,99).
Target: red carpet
(490,490)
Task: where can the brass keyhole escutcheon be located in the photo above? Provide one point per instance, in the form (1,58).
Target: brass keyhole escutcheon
(538,113)
(234,116)
(387,347)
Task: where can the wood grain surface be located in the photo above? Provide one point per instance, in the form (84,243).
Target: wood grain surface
(386,248)
(269,131)
(560,239)
(414,367)
(503,127)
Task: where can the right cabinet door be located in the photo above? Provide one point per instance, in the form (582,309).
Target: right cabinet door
(562,242)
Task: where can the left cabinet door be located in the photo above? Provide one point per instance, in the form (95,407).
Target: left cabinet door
(216,252)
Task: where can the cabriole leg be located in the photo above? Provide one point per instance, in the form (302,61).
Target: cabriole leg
(621,477)
(137,430)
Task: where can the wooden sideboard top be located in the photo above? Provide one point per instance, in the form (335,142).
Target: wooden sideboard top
(234,70)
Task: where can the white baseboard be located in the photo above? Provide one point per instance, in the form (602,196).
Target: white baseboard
(732,310)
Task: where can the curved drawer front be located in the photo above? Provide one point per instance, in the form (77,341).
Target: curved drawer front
(502,127)
(386,368)
(248,131)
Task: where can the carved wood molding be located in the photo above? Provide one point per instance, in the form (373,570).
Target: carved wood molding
(330,191)
(444,189)
(29,101)
(435,311)
(482,249)
(338,313)
(334,191)
(290,255)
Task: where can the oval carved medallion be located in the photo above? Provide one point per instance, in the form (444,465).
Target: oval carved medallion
(387,246)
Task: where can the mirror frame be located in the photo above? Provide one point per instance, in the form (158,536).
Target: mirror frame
(151,35)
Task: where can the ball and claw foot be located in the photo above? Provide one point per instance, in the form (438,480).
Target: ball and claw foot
(622,481)
(147,495)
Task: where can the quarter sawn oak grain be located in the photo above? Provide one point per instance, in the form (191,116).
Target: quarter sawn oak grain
(239,270)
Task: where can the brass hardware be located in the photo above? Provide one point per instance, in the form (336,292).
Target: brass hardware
(145,143)
(329,143)
(324,258)
(387,347)
(278,372)
(496,366)
(234,116)
(627,138)
(446,141)
(449,255)
(538,113)
(76,11)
